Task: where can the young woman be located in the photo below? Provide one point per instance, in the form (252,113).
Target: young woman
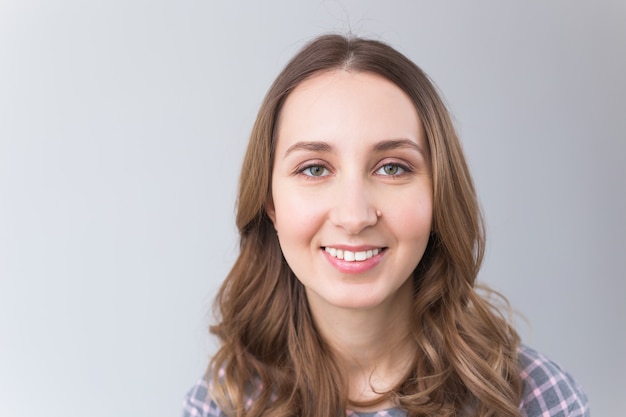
(361,238)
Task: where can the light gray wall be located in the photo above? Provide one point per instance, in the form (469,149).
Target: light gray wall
(122,127)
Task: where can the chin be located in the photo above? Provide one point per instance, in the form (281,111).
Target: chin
(355,301)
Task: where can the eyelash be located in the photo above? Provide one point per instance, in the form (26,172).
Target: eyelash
(302,170)
(405,169)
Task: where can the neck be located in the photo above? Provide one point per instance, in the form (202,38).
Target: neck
(374,346)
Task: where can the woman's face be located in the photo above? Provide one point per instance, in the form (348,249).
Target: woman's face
(351,189)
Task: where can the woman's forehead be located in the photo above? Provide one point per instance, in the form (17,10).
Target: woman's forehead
(344,104)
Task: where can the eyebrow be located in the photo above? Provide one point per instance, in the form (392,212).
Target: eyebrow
(390,144)
(309,146)
(385,145)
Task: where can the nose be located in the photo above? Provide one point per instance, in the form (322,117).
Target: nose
(353,209)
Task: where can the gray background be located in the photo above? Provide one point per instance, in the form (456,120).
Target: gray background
(122,127)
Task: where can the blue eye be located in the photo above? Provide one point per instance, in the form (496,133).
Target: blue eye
(315,171)
(391,169)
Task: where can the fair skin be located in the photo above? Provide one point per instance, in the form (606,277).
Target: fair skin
(352,206)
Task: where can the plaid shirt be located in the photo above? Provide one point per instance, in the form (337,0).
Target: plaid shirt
(549,391)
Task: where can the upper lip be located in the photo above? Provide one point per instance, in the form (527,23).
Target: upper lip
(354,248)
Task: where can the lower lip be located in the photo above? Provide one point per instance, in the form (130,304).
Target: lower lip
(355,267)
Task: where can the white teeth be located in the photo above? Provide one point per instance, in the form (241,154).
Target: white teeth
(350,256)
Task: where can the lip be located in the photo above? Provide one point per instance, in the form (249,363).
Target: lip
(352,248)
(354,267)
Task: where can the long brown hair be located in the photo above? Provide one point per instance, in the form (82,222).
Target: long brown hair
(272,361)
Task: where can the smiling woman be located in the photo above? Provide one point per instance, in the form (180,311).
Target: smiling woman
(351,189)
(361,238)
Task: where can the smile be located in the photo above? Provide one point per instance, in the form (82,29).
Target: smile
(350,256)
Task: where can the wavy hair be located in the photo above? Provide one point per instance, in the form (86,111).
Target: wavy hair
(273,362)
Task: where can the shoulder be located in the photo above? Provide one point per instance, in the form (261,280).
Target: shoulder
(197,402)
(548,390)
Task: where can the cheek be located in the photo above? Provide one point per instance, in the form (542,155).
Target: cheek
(424,214)
(409,216)
(296,217)
(412,229)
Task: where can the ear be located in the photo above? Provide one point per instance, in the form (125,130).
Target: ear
(270,210)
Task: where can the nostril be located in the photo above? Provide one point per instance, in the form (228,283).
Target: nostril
(354,219)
